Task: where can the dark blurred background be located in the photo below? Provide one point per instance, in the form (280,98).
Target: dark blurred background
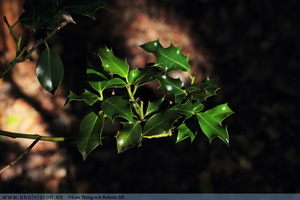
(250,48)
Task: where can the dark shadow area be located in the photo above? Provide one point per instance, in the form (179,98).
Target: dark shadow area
(255,49)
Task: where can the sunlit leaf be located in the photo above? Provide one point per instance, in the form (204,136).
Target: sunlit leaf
(129,136)
(134,75)
(170,85)
(198,107)
(169,59)
(212,128)
(49,70)
(88,97)
(113,64)
(220,112)
(160,125)
(90,133)
(184,132)
(115,82)
(116,106)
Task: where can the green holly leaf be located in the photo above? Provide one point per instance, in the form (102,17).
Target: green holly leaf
(170,85)
(198,107)
(40,14)
(134,75)
(169,59)
(113,64)
(201,91)
(90,133)
(116,106)
(129,136)
(160,125)
(212,128)
(144,76)
(154,106)
(184,132)
(96,76)
(220,112)
(180,98)
(116,82)
(88,97)
(86,8)
(186,109)
(49,70)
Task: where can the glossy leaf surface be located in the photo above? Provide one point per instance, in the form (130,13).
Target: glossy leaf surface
(116,106)
(201,91)
(96,76)
(115,82)
(184,132)
(170,85)
(49,70)
(154,106)
(129,136)
(113,64)
(90,133)
(144,76)
(220,112)
(134,75)
(186,109)
(88,97)
(160,125)
(212,128)
(169,59)
(198,107)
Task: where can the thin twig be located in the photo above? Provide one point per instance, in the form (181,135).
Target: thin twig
(44,138)
(21,156)
(10,29)
(20,54)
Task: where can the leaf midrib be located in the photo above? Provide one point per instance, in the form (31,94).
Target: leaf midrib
(128,118)
(180,64)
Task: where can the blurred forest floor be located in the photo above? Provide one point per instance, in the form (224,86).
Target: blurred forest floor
(250,48)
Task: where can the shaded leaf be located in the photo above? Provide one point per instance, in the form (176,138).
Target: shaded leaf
(117,107)
(180,98)
(115,82)
(113,64)
(40,14)
(154,106)
(90,133)
(96,76)
(170,85)
(201,91)
(86,8)
(145,76)
(186,109)
(129,136)
(169,59)
(49,70)
(220,112)
(88,97)
(160,125)
(212,128)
